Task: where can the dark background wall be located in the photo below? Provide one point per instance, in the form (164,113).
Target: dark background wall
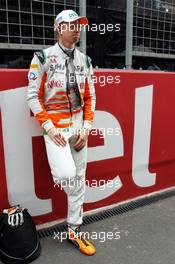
(23,23)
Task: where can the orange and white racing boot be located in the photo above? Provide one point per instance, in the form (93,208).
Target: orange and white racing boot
(76,238)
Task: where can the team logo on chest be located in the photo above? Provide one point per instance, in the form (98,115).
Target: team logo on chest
(53,59)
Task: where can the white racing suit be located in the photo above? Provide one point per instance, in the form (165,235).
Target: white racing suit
(48,100)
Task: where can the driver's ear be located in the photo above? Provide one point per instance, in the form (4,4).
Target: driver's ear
(59,29)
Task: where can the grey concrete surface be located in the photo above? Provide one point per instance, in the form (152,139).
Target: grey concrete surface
(146,236)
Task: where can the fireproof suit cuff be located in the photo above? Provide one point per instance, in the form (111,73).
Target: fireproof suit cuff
(87,124)
(48,125)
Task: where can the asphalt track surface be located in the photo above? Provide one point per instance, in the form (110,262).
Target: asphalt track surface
(145,235)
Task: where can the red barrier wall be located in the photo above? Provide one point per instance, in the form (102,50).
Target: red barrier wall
(141,158)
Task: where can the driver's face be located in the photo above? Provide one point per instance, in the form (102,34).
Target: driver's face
(70,32)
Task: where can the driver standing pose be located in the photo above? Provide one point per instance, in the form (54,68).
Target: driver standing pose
(61,95)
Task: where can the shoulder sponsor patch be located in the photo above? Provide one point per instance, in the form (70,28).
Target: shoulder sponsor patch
(34,66)
(32,76)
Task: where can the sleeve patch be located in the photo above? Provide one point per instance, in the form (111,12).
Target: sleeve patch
(40,55)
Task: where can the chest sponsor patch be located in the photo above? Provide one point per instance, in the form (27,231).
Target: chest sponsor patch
(52,59)
(54,67)
(55,84)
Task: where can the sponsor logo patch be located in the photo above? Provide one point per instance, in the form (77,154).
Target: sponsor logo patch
(32,76)
(54,84)
(73,15)
(34,66)
(52,59)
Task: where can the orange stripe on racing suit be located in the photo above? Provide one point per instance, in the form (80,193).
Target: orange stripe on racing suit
(42,116)
(88,113)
